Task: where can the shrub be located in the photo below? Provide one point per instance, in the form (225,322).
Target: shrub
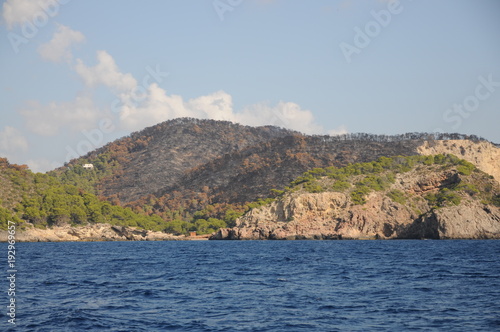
(258,203)
(317,172)
(391,178)
(468,188)
(215,224)
(276,192)
(341,186)
(358,195)
(373,182)
(429,160)
(465,167)
(314,187)
(443,198)
(448,197)
(302,179)
(439,159)
(431,199)
(397,196)
(5,217)
(339,176)
(496,200)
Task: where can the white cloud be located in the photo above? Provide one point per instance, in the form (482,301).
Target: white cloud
(13,145)
(155,108)
(142,106)
(216,106)
(58,48)
(284,114)
(47,120)
(12,141)
(341,130)
(42,165)
(106,72)
(158,107)
(17,12)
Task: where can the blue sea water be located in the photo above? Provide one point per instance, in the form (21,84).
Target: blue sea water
(257,286)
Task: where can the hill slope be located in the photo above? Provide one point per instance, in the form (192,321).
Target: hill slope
(37,199)
(188,169)
(156,157)
(249,174)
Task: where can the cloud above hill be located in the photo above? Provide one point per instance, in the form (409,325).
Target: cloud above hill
(48,120)
(145,104)
(124,101)
(59,47)
(12,140)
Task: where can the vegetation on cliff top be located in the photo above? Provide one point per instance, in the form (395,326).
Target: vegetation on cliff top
(358,180)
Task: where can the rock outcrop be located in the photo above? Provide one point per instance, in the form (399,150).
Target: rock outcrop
(94,232)
(321,216)
(333,215)
(484,155)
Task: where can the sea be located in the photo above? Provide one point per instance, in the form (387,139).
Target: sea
(393,285)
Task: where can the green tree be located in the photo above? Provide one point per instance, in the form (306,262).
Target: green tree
(177,227)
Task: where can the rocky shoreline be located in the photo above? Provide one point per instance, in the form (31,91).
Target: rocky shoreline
(92,233)
(320,216)
(334,215)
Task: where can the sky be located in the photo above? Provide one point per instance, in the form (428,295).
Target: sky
(76,75)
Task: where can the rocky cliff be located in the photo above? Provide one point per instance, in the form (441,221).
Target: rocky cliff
(484,155)
(434,202)
(332,216)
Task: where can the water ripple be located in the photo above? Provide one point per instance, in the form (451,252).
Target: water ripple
(259,286)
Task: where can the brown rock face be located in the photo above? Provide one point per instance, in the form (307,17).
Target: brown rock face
(321,216)
(483,155)
(332,215)
(468,221)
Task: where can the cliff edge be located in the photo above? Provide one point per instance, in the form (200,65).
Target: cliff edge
(483,154)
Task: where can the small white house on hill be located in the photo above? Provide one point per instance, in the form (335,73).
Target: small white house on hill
(88,166)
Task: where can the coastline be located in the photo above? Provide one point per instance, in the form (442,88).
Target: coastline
(94,233)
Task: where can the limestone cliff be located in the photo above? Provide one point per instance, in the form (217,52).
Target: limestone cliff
(434,202)
(484,155)
(320,216)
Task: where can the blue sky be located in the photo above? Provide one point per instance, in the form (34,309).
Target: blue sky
(78,74)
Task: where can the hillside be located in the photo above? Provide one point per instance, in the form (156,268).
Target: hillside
(189,175)
(38,200)
(434,197)
(251,173)
(155,158)
(188,169)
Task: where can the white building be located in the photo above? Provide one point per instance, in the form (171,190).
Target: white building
(88,166)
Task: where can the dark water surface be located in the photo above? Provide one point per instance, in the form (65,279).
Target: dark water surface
(257,286)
